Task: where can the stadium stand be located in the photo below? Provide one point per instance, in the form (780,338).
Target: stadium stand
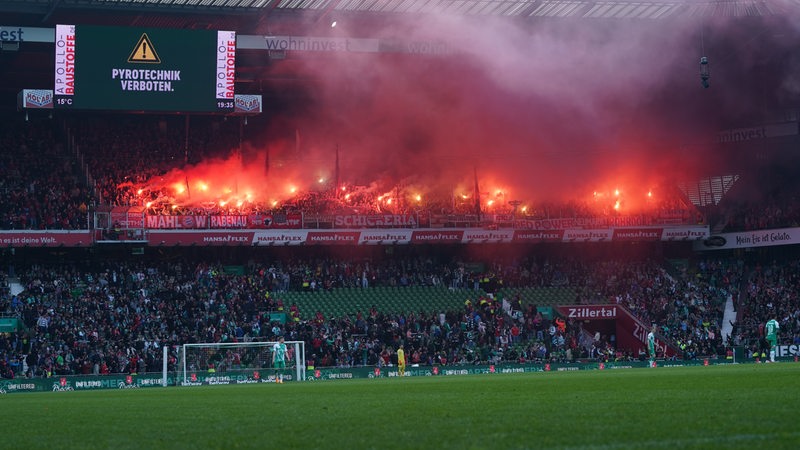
(88,161)
(124,152)
(770,293)
(102,310)
(113,317)
(768,200)
(40,181)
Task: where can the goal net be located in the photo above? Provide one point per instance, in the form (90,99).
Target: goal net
(240,362)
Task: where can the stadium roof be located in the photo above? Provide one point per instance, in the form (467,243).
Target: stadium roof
(30,65)
(584,9)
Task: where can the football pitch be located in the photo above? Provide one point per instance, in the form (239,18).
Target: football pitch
(739,406)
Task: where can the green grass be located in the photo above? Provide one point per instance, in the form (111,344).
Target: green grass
(740,406)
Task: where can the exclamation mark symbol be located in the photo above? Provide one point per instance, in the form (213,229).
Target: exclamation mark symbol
(144,50)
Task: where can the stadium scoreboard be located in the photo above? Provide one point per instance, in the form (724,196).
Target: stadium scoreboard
(144,69)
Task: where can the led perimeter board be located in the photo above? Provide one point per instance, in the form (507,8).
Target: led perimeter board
(144,69)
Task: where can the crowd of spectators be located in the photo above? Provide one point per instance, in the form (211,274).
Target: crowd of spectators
(39,181)
(687,305)
(115,317)
(772,214)
(771,293)
(764,200)
(124,152)
(55,172)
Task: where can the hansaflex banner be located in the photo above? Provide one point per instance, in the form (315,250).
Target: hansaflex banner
(277,231)
(279,237)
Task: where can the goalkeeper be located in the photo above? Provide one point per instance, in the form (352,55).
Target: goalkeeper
(401,362)
(279,359)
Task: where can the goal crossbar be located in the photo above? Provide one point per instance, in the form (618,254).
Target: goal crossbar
(239,356)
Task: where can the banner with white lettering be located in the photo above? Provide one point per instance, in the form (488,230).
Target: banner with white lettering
(584,222)
(308,44)
(14,33)
(202,221)
(385,237)
(226,64)
(588,235)
(52,238)
(758,132)
(687,233)
(785,351)
(637,234)
(538,236)
(188,238)
(240,237)
(441,236)
(487,236)
(127,217)
(266,233)
(333,237)
(631,332)
(376,221)
(280,237)
(65,60)
(196,222)
(749,239)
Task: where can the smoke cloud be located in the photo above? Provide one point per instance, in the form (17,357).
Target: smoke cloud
(549,110)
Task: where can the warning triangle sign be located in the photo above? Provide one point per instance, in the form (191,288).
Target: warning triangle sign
(144,52)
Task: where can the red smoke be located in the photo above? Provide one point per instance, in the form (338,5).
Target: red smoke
(545,111)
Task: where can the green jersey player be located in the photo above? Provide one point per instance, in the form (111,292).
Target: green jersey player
(279,359)
(771,330)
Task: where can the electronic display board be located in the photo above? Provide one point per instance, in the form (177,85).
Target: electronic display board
(144,69)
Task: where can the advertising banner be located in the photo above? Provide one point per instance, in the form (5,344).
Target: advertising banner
(757,132)
(630,331)
(247,104)
(487,236)
(440,236)
(538,236)
(597,235)
(564,223)
(637,234)
(385,237)
(188,238)
(74,383)
(333,237)
(197,222)
(749,239)
(127,217)
(35,99)
(280,237)
(376,221)
(686,233)
(53,238)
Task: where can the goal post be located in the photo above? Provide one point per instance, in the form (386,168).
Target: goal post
(239,362)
